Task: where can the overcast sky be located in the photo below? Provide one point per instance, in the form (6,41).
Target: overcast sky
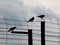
(25,9)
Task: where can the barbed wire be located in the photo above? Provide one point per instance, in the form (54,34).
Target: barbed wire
(26,21)
(30,25)
(1,30)
(27,39)
(27,29)
(34,34)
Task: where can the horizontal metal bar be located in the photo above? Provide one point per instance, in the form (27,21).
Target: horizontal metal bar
(18,32)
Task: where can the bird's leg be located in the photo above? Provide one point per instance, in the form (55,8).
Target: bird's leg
(27,25)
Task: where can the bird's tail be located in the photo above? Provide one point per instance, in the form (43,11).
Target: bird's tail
(28,21)
(8,30)
(38,16)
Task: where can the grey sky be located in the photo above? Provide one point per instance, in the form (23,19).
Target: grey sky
(20,8)
(25,9)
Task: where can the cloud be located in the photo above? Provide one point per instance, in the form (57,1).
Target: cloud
(16,9)
(49,14)
(48,4)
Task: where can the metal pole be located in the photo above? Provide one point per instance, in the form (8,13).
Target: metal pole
(58,32)
(42,32)
(6,33)
(30,41)
(6,29)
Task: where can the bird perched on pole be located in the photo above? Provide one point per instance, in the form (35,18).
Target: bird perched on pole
(11,29)
(31,19)
(41,16)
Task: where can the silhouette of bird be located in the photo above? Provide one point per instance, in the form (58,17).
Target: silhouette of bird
(31,20)
(41,16)
(11,29)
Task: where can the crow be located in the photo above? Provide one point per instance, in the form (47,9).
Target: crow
(11,29)
(41,16)
(31,20)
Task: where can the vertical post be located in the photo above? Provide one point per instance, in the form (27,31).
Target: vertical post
(42,32)
(6,29)
(30,41)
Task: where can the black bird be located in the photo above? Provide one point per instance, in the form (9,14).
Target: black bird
(31,20)
(41,16)
(11,29)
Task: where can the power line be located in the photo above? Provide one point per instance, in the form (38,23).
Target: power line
(26,29)
(14,43)
(26,21)
(27,39)
(30,25)
(33,35)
